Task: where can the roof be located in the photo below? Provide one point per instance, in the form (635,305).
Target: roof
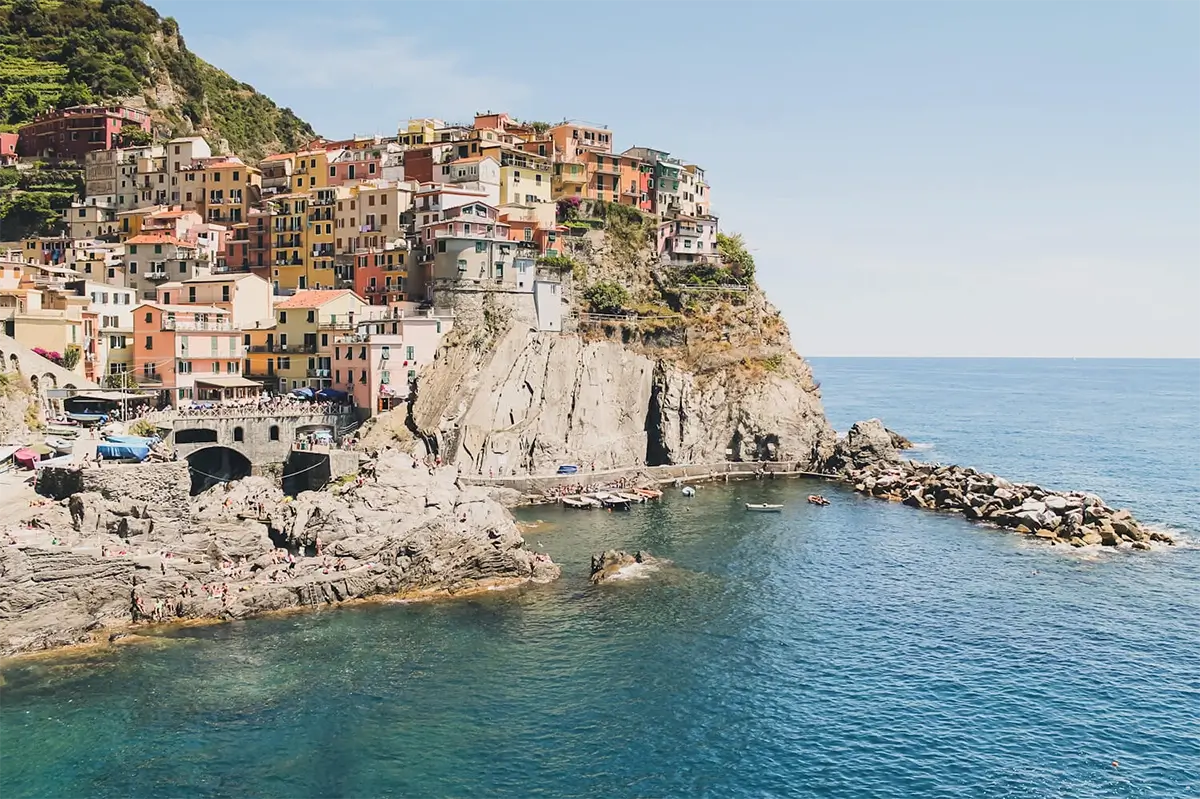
(313,298)
(158,238)
(168,214)
(228,382)
(279,157)
(173,284)
(221,278)
(185,308)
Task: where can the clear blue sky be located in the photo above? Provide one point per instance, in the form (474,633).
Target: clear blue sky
(913,178)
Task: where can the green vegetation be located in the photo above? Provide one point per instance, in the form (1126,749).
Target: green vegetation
(606,297)
(143,427)
(133,136)
(26,213)
(560,262)
(58,53)
(735,255)
(120,380)
(70,358)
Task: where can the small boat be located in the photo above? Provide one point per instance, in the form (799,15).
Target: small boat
(817,499)
(578,502)
(612,501)
(648,493)
(764,508)
(630,495)
(60,446)
(688,491)
(26,457)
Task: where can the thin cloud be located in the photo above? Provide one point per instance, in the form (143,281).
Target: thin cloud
(343,78)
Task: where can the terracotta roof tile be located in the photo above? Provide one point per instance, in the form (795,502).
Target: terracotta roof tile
(312,298)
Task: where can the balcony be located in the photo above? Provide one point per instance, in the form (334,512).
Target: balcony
(192,325)
(318,373)
(156,275)
(607,169)
(290,349)
(151,379)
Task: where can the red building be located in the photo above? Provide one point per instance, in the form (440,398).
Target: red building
(73,132)
(8,148)
(418,164)
(380,275)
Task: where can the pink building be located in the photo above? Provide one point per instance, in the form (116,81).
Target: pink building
(686,239)
(379,362)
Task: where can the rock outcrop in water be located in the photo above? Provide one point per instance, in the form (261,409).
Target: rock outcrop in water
(867,459)
(132,546)
(616,564)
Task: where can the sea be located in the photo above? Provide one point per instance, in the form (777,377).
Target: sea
(863,649)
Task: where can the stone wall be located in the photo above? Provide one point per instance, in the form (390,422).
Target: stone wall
(257,442)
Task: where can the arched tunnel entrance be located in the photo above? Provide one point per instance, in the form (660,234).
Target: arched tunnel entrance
(213,465)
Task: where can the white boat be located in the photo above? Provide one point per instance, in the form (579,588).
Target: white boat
(631,496)
(60,446)
(612,500)
(764,508)
(688,491)
(579,502)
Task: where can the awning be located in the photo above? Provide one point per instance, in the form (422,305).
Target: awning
(227,382)
(110,396)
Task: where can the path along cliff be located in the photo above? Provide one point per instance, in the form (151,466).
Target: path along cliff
(127,544)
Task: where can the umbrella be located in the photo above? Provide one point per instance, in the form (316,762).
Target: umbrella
(306,393)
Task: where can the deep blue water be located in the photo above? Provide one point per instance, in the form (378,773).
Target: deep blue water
(859,650)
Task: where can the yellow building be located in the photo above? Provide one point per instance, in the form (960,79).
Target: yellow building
(290,222)
(228,190)
(311,170)
(260,344)
(419,131)
(319,238)
(305,327)
(570,180)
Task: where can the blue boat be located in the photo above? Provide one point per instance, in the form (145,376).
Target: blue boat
(123,452)
(144,441)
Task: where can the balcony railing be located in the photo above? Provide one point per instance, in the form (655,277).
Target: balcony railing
(157,275)
(153,378)
(318,373)
(293,349)
(175,324)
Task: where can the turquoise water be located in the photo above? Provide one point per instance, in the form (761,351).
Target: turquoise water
(858,650)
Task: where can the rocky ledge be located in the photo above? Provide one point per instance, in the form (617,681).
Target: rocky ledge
(868,459)
(129,546)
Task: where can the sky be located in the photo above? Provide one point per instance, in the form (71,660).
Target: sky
(913,179)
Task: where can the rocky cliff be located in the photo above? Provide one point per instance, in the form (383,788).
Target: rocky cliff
(128,545)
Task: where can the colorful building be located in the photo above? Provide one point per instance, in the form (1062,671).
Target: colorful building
(193,351)
(74,132)
(305,325)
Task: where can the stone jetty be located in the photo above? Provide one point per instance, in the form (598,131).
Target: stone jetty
(868,459)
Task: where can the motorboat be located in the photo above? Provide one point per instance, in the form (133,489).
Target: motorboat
(60,446)
(612,500)
(764,508)
(688,491)
(632,496)
(648,493)
(578,502)
(817,499)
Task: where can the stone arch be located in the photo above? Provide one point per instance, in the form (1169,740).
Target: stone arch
(14,363)
(217,464)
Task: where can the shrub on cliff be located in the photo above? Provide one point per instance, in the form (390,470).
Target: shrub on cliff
(606,297)
(732,249)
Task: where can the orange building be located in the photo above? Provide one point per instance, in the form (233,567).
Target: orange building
(572,139)
(192,351)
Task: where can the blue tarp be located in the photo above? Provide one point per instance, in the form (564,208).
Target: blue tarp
(331,394)
(123,452)
(305,392)
(141,441)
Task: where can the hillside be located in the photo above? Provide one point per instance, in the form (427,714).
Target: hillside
(56,53)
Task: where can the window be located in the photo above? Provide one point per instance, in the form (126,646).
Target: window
(409,353)
(214,340)
(239,434)
(149,317)
(283,320)
(480,246)
(149,342)
(191,293)
(157,249)
(441,245)
(274,432)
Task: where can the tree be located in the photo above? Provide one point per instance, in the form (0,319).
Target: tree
(21,105)
(133,136)
(606,297)
(732,249)
(70,358)
(120,380)
(75,93)
(26,213)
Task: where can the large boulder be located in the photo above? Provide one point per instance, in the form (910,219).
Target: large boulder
(865,443)
(617,564)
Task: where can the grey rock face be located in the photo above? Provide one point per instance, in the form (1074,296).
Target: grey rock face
(233,552)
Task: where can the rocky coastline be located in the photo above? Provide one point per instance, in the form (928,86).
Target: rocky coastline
(868,459)
(131,547)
